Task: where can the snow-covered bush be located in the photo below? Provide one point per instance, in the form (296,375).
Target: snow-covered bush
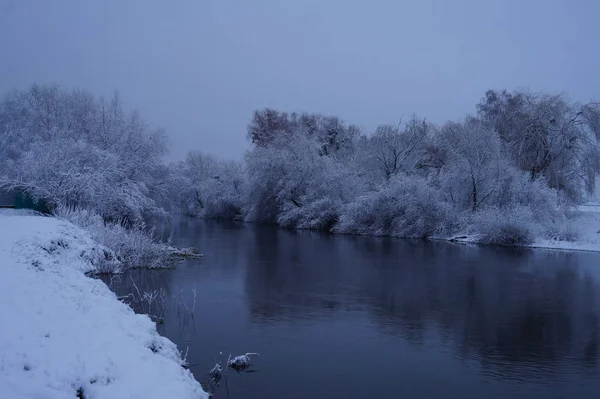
(321,214)
(223,194)
(133,247)
(281,175)
(241,363)
(293,184)
(65,172)
(515,188)
(515,226)
(71,149)
(318,206)
(210,188)
(407,207)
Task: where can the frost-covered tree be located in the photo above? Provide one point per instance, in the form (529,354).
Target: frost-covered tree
(266,125)
(293,183)
(69,148)
(279,174)
(473,165)
(410,181)
(548,136)
(331,133)
(211,188)
(269,127)
(392,150)
(407,206)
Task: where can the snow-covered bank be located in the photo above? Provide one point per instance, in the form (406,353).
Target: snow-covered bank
(579,232)
(64,335)
(584,225)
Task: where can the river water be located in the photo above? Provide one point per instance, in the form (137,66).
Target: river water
(364,317)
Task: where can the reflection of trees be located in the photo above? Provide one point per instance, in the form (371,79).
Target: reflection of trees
(284,277)
(223,243)
(500,306)
(170,293)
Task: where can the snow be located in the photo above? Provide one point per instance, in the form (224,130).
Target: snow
(586,222)
(241,362)
(64,334)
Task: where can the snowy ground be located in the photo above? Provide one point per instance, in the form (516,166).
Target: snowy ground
(64,335)
(583,226)
(586,223)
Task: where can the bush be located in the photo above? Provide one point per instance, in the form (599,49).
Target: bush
(134,247)
(408,207)
(71,149)
(321,214)
(508,227)
(516,188)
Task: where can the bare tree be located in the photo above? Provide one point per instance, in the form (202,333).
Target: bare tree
(393,149)
(267,124)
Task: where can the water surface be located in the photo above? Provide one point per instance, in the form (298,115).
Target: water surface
(363,317)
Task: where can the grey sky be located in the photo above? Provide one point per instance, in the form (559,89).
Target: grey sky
(199,68)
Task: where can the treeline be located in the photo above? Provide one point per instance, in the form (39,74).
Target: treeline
(505,175)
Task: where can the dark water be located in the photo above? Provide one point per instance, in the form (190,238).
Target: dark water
(355,317)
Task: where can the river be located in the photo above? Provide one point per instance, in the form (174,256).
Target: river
(365,317)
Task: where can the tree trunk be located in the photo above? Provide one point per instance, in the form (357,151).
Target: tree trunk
(474,194)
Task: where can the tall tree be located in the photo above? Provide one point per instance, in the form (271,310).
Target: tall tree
(548,137)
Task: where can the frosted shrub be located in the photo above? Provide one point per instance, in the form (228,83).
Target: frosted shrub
(224,207)
(514,226)
(220,200)
(266,170)
(407,207)
(517,189)
(321,214)
(323,196)
(71,149)
(293,184)
(209,188)
(134,247)
(241,362)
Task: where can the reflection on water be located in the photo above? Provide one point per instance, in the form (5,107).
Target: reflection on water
(360,317)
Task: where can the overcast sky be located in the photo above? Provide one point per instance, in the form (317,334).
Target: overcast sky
(199,68)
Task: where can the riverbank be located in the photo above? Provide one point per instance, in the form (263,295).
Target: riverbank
(65,335)
(580,232)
